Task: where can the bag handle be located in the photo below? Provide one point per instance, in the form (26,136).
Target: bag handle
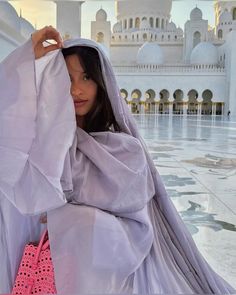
(41,246)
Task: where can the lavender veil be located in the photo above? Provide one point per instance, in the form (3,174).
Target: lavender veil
(112,227)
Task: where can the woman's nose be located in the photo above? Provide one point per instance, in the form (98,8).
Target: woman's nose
(76,90)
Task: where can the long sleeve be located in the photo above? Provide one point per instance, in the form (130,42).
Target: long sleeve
(37,126)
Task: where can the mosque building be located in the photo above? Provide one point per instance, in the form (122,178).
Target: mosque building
(14,29)
(160,67)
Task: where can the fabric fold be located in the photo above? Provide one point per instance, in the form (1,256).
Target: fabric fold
(122,183)
(33,121)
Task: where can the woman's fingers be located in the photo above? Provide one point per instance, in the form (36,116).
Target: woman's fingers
(51,48)
(53,34)
(40,36)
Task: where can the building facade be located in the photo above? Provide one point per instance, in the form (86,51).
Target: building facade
(14,29)
(163,69)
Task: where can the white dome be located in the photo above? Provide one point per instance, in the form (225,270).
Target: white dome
(150,53)
(225,17)
(171,27)
(144,25)
(101,15)
(204,53)
(26,28)
(9,15)
(117,28)
(196,14)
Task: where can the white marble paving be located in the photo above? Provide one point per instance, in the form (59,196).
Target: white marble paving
(196,157)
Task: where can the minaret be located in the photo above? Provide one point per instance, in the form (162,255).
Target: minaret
(195,31)
(101,28)
(69,18)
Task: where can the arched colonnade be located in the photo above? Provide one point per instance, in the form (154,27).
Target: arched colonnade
(192,102)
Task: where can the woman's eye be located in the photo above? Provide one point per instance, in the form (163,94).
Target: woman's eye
(86,77)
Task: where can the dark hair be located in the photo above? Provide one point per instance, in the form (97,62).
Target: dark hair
(101,116)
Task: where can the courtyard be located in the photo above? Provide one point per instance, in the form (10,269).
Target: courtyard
(196,158)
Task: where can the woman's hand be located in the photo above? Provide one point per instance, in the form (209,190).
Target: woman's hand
(43,218)
(40,36)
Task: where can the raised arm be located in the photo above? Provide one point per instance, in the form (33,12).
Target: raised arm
(36,125)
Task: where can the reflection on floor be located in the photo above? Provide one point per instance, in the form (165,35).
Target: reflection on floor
(196,158)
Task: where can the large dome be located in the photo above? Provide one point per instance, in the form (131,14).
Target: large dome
(150,53)
(141,7)
(204,53)
(9,16)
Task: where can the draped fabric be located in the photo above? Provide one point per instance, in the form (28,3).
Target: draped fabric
(32,154)
(112,226)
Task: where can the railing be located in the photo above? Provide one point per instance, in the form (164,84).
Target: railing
(177,68)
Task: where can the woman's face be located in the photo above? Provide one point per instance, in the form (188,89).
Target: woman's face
(83,89)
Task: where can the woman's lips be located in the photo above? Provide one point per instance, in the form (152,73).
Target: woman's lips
(80,103)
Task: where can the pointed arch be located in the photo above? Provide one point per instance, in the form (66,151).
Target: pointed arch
(137,22)
(196,38)
(220,34)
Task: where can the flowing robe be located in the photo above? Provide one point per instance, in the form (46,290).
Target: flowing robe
(112,227)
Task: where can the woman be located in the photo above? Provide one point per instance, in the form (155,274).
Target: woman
(112,227)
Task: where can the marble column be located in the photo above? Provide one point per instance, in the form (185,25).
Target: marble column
(199,108)
(170,107)
(222,108)
(214,109)
(142,107)
(69,18)
(156,107)
(185,108)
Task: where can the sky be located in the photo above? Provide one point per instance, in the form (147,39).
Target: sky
(43,12)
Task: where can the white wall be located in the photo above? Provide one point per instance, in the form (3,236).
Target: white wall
(230,48)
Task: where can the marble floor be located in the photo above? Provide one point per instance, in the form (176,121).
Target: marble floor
(196,158)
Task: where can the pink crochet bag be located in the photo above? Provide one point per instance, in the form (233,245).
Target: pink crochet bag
(36,273)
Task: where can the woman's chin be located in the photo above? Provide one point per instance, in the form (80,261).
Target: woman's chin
(80,113)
